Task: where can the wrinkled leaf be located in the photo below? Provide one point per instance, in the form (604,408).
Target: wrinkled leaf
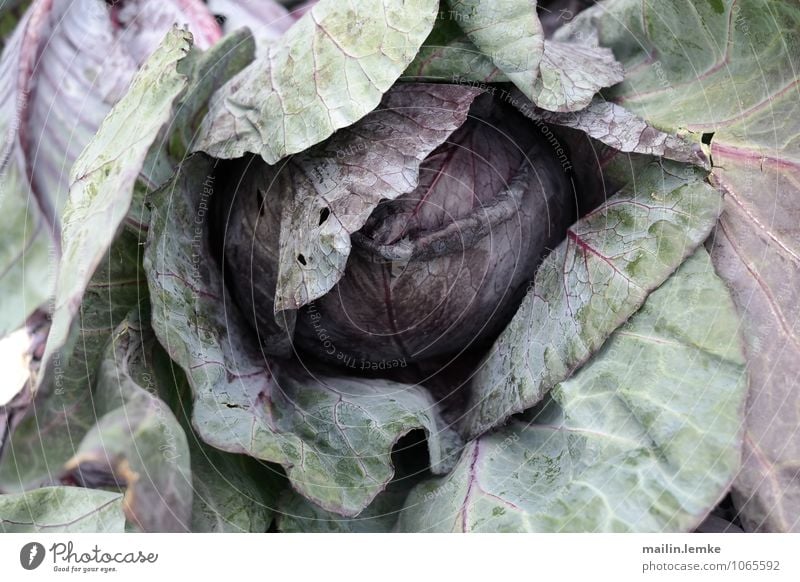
(592,283)
(137,442)
(346,177)
(620,129)
(571,74)
(62,509)
(353,53)
(230,494)
(506,31)
(645,437)
(99,285)
(728,70)
(333,435)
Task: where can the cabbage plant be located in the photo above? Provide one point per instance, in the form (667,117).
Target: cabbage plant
(400,266)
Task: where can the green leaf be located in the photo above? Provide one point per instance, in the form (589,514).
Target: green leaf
(555,75)
(64,68)
(231,494)
(298,515)
(729,70)
(645,437)
(328,71)
(592,283)
(62,510)
(137,441)
(332,435)
(508,32)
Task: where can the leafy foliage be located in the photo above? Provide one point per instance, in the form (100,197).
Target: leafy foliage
(730,75)
(399,266)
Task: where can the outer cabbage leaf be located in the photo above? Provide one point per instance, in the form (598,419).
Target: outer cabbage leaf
(592,283)
(62,509)
(273,108)
(729,70)
(231,494)
(570,74)
(207,71)
(332,435)
(556,75)
(137,442)
(645,437)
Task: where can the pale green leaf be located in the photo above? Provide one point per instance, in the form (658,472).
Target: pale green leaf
(231,494)
(298,515)
(645,437)
(98,280)
(448,55)
(62,510)
(137,441)
(63,409)
(728,71)
(207,72)
(570,75)
(328,71)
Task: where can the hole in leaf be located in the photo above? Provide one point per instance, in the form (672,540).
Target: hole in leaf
(410,454)
(302,260)
(707,137)
(323,215)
